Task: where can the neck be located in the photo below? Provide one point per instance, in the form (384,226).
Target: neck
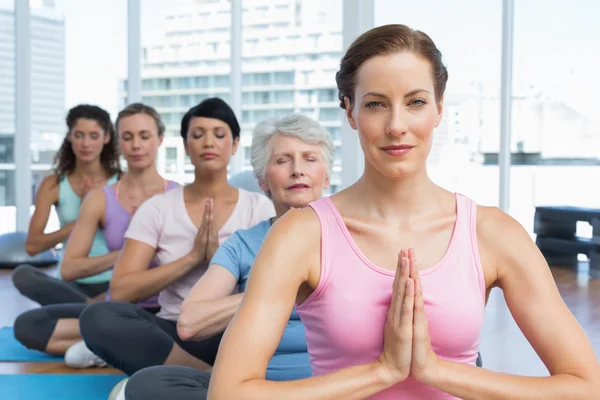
(280,209)
(209,184)
(91,169)
(141,177)
(399,198)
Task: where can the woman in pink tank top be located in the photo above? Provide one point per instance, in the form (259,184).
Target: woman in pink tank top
(391,274)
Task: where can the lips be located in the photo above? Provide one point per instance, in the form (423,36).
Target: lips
(208,156)
(397,150)
(298,186)
(398,147)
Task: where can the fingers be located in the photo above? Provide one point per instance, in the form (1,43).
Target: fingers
(211,215)
(203,228)
(414,273)
(421,329)
(405,328)
(400,279)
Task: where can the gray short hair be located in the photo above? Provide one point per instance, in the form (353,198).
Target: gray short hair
(296,125)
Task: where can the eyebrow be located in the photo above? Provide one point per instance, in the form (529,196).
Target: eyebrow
(288,153)
(131,133)
(409,94)
(83,133)
(203,128)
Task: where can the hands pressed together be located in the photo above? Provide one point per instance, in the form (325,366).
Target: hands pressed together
(207,238)
(406,344)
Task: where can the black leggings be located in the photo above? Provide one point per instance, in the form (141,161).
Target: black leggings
(168,382)
(34,328)
(45,289)
(130,338)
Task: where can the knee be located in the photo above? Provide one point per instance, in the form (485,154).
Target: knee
(23,277)
(98,322)
(145,385)
(163,382)
(34,328)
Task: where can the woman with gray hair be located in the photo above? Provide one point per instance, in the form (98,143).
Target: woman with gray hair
(292,159)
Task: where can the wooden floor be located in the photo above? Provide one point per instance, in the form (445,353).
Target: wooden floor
(503,346)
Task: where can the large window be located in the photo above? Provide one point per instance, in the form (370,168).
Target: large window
(77,56)
(556,125)
(468,33)
(291,50)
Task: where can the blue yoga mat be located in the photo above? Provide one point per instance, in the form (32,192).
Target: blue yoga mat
(12,350)
(63,387)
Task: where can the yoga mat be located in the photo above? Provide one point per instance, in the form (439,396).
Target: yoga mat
(63,387)
(13,350)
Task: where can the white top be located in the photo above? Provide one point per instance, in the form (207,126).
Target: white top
(163,223)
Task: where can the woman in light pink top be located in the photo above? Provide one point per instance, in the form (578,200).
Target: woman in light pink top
(380,322)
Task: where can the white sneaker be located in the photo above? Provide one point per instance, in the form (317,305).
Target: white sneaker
(79,356)
(118,392)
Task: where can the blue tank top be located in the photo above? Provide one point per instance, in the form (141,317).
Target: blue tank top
(68,211)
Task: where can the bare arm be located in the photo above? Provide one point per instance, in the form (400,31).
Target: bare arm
(542,316)
(133,281)
(282,265)
(209,307)
(37,240)
(76,262)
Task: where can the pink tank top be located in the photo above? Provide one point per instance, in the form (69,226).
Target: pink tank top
(345,315)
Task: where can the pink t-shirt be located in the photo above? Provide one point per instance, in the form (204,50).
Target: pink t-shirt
(163,223)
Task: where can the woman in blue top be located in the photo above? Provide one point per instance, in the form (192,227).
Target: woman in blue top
(88,159)
(292,159)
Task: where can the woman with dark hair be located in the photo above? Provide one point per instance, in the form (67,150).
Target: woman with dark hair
(380,322)
(180,229)
(88,159)
(55,328)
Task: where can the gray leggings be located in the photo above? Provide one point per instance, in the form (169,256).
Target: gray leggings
(130,338)
(34,328)
(45,289)
(168,382)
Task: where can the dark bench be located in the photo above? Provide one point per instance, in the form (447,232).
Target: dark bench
(556,228)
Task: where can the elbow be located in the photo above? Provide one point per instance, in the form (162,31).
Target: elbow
(31,249)
(66,272)
(120,293)
(184,331)
(190,325)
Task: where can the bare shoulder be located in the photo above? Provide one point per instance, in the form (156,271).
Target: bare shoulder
(494,225)
(503,242)
(298,228)
(49,185)
(94,202)
(293,244)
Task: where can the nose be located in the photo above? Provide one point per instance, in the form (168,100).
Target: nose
(135,142)
(398,122)
(297,168)
(209,141)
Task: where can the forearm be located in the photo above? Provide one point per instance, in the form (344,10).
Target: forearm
(76,268)
(353,383)
(202,319)
(472,383)
(37,243)
(140,285)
